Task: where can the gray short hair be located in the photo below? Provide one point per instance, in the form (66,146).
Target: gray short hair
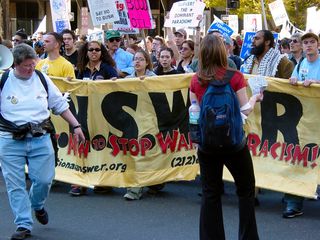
(297,36)
(22,52)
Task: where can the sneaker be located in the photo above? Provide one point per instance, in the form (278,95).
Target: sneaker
(102,189)
(21,233)
(42,216)
(77,191)
(290,213)
(134,193)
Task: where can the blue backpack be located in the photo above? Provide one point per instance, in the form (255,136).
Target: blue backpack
(221,126)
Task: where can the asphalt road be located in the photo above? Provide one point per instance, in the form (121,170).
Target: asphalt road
(171,215)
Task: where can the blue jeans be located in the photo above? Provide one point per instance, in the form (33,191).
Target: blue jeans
(293,202)
(41,166)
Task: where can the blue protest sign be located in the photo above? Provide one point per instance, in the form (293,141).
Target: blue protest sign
(222,27)
(247,41)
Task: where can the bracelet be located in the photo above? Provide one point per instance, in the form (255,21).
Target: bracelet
(77,126)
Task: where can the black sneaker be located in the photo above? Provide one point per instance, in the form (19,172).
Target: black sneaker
(290,213)
(21,233)
(42,216)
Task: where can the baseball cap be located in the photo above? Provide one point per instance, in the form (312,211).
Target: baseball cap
(227,40)
(112,34)
(181,31)
(310,35)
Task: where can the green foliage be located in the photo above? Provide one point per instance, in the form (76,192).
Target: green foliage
(296,9)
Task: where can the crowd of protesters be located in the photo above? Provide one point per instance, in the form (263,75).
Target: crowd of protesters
(70,56)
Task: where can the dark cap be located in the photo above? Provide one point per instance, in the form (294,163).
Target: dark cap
(310,35)
(182,32)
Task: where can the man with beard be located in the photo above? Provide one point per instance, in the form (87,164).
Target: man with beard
(265,59)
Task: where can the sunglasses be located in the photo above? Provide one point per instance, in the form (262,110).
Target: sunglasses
(94,49)
(293,41)
(114,39)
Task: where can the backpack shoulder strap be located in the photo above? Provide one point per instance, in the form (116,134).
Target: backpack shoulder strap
(299,64)
(4,78)
(42,79)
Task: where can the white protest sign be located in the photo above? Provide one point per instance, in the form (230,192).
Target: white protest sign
(313,17)
(278,12)
(184,14)
(60,15)
(123,25)
(234,23)
(103,11)
(252,22)
(96,34)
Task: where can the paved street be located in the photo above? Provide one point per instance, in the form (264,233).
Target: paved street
(170,215)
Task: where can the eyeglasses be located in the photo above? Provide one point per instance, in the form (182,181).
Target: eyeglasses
(114,39)
(293,41)
(94,49)
(16,40)
(305,42)
(139,59)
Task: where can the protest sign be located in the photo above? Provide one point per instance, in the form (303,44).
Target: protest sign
(278,12)
(96,34)
(139,14)
(137,134)
(123,25)
(60,15)
(221,27)
(313,16)
(252,22)
(234,23)
(184,14)
(103,11)
(247,41)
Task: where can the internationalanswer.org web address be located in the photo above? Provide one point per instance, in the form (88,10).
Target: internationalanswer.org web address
(93,168)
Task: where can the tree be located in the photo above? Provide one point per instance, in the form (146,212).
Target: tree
(296,9)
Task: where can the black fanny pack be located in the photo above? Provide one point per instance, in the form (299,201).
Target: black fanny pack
(20,132)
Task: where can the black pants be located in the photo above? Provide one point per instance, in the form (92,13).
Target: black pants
(211,169)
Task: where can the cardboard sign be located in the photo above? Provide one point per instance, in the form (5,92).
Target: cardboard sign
(139,14)
(60,16)
(233,23)
(313,16)
(185,14)
(103,11)
(252,22)
(222,27)
(247,42)
(278,12)
(123,25)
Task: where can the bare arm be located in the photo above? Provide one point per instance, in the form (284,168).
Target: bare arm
(197,43)
(68,116)
(243,100)
(193,97)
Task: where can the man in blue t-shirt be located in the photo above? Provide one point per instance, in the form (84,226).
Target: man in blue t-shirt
(309,73)
(309,69)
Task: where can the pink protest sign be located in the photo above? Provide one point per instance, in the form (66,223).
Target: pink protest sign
(139,14)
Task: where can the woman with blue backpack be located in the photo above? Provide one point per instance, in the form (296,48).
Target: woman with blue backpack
(224,105)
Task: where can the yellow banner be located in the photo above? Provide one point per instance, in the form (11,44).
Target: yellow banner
(137,133)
